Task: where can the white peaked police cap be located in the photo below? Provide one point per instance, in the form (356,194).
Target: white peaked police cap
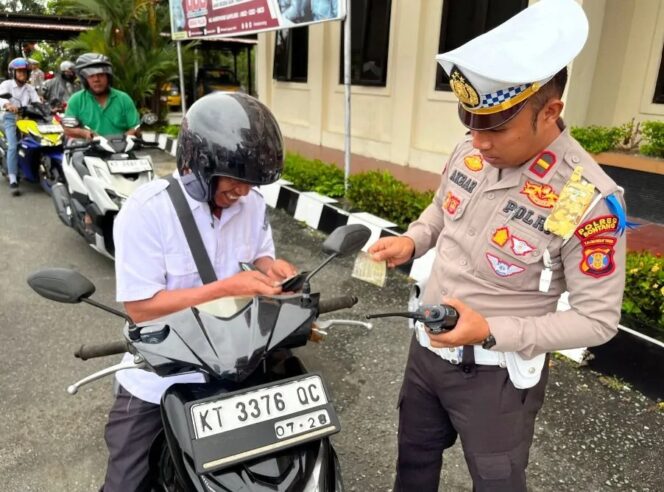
(495,73)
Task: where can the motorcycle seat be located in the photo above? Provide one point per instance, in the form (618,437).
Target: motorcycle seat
(79,164)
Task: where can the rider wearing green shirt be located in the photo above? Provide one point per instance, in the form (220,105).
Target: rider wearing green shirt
(100,109)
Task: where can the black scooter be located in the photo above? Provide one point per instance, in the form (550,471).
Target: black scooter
(261,422)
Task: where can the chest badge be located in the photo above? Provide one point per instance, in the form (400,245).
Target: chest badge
(473,162)
(500,236)
(451,203)
(540,194)
(543,163)
(521,247)
(503,268)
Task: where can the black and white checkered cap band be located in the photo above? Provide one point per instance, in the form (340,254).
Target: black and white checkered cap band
(499,97)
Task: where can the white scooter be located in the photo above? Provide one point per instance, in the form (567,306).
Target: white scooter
(100,174)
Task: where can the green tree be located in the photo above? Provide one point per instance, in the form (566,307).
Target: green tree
(129,33)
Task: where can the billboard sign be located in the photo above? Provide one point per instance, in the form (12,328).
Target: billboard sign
(196,19)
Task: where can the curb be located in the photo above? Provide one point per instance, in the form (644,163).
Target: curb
(320,212)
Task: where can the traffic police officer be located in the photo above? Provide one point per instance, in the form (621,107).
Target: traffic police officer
(522,214)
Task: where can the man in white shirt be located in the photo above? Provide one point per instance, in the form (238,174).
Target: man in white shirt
(20,94)
(229,142)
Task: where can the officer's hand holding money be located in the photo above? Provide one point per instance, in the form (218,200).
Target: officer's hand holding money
(472,328)
(393,250)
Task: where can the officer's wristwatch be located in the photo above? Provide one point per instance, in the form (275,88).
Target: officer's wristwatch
(488,342)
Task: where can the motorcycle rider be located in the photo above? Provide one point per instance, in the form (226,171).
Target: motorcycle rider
(60,88)
(228,143)
(99,108)
(23,94)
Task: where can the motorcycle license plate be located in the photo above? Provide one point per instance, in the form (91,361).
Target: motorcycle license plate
(49,128)
(129,166)
(240,426)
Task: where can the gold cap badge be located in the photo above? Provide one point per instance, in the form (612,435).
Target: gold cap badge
(463,89)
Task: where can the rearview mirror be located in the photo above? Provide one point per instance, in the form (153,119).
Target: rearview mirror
(346,240)
(5,95)
(61,285)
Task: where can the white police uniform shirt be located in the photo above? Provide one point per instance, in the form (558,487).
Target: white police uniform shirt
(20,95)
(152,254)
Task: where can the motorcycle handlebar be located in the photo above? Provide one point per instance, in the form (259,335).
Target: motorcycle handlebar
(336,303)
(86,352)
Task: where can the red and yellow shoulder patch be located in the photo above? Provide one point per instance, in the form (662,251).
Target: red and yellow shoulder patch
(597,260)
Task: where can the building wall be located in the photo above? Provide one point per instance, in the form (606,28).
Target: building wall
(628,63)
(409,123)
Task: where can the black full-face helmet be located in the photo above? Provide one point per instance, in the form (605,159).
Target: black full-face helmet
(228,134)
(93,63)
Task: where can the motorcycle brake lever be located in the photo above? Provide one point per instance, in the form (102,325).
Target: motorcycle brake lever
(326,324)
(73,389)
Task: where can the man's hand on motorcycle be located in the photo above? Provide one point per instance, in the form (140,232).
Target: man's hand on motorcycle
(281,270)
(11,108)
(471,329)
(394,250)
(252,283)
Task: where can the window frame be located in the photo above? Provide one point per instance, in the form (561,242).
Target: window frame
(288,77)
(385,47)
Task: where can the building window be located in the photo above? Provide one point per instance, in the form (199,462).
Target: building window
(463,20)
(658,96)
(291,55)
(370,38)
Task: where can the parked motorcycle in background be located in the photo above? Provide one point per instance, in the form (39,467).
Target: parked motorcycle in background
(100,174)
(261,422)
(40,143)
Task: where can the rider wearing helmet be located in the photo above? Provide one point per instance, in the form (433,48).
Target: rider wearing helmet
(229,143)
(59,89)
(19,93)
(100,109)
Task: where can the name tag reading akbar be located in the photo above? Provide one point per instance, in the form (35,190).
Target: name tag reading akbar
(369,270)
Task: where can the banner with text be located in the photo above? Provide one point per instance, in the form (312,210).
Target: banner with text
(195,19)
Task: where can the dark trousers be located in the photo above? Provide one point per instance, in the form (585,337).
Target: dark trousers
(132,426)
(495,421)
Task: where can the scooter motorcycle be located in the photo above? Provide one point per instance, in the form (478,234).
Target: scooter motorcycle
(40,139)
(99,175)
(261,422)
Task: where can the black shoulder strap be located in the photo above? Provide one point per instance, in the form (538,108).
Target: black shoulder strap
(191,232)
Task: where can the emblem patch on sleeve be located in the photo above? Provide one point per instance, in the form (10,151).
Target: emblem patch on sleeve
(503,268)
(596,226)
(473,162)
(451,203)
(540,194)
(521,247)
(543,163)
(597,260)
